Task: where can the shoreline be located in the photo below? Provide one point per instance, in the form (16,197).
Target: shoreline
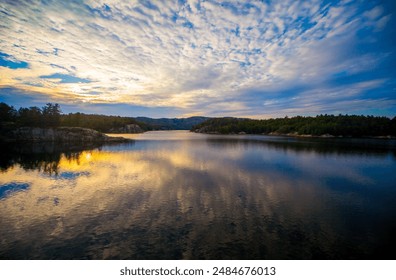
(58,135)
(295,135)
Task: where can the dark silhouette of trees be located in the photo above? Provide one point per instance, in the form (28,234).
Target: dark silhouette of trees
(341,125)
(100,123)
(48,116)
(7,113)
(31,116)
(51,114)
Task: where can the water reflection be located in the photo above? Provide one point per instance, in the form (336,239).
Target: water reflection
(189,196)
(316,145)
(43,157)
(10,188)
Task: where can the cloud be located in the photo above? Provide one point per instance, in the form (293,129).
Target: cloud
(189,55)
(352,98)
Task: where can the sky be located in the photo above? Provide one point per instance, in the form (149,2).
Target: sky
(257,59)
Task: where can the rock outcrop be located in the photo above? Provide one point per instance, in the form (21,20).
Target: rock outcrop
(206,130)
(60,134)
(129,128)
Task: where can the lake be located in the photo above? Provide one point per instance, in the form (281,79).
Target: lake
(181,195)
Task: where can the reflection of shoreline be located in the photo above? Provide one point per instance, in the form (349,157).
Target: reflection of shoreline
(296,135)
(187,199)
(43,156)
(320,146)
(329,136)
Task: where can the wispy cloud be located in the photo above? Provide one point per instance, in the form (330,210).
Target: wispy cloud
(197,56)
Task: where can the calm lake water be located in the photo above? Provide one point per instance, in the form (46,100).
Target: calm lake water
(180,195)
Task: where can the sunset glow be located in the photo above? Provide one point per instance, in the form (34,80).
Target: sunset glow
(215,58)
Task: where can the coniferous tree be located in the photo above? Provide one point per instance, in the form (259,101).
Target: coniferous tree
(7,113)
(51,115)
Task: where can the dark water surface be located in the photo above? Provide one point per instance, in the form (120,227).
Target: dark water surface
(179,195)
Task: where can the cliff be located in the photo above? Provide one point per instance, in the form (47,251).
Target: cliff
(60,135)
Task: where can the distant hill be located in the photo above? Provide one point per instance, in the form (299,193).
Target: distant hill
(171,124)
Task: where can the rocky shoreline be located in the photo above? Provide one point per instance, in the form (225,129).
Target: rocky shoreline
(58,135)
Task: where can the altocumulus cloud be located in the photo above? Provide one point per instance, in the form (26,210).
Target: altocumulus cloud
(174,58)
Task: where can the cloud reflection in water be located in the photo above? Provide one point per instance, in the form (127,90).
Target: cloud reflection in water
(202,198)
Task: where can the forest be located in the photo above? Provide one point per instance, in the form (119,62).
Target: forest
(47,116)
(51,115)
(171,123)
(102,123)
(340,125)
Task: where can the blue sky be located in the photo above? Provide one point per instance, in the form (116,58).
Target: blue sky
(182,58)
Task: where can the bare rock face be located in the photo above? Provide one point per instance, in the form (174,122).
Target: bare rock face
(61,134)
(129,128)
(206,130)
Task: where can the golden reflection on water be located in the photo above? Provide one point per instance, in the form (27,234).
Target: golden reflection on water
(182,200)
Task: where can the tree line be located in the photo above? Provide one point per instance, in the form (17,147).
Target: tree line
(51,115)
(341,125)
(102,123)
(47,116)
